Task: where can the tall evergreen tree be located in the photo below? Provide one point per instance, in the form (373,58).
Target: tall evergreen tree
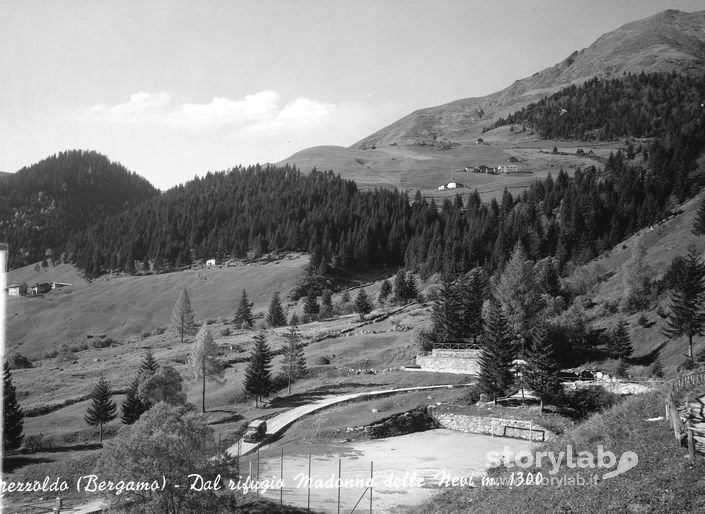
(345,297)
(446,313)
(132,406)
(519,295)
(12,415)
(699,221)
(294,320)
(258,380)
(203,361)
(657,368)
(384,291)
(326,304)
(243,315)
(410,286)
(549,281)
(363,304)
(474,289)
(620,343)
(294,362)
(182,320)
(400,293)
(102,409)
(542,367)
(149,363)
(311,307)
(275,314)
(687,316)
(497,356)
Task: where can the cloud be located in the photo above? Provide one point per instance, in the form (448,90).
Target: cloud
(259,112)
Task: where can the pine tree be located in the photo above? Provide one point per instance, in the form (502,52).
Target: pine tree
(203,361)
(294,320)
(687,316)
(657,368)
(622,367)
(620,343)
(103,410)
(497,354)
(474,289)
(182,320)
(384,291)
(519,295)
(311,307)
(132,407)
(699,221)
(326,304)
(275,315)
(363,304)
(345,298)
(446,313)
(258,380)
(549,281)
(411,288)
(243,315)
(542,368)
(294,362)
(400,292)
(12,415)
(149,363)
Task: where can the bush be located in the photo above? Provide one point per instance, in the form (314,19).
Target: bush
(35,443)
(588,400)
(103,342)
(425,340)
(18,361)
(225,332)
(687,365)
(322,361)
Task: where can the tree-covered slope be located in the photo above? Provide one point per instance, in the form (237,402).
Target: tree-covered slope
(43,205)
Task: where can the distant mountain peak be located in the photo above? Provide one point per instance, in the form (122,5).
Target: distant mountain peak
(671,40)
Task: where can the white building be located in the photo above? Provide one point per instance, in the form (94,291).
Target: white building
(210,263)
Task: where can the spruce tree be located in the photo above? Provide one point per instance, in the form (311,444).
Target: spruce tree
(182,320)
(345,298)
(294,320)
(275,314)
(363,304)
(326,304)
(132,407)
(400,292)
(384,291)
(411,288)
(243,315)
(294,362)
(657,368)
(102,410)
(258,380)
(474,289)
(542,368)
(446,313)
(497,355)
(149,363)
(203,362)
(699,221)
(549,281)
(687,316)
(311,307)
(12,415)
(620,343)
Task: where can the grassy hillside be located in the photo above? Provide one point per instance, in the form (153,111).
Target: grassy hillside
(131,305)
(425,167)
(662,481)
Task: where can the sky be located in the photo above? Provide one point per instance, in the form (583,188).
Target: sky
(174,89)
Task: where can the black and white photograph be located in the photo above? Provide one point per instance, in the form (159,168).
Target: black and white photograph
(352,256)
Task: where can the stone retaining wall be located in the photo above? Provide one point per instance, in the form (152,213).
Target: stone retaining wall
(453,361)
(498,427)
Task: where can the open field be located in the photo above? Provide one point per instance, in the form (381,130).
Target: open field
(425,167)
(124,306)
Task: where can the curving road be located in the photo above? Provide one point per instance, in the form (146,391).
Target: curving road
(282,421)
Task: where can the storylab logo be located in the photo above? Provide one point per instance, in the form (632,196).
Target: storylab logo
(553,462)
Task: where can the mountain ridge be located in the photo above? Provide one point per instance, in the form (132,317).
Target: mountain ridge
(668,41)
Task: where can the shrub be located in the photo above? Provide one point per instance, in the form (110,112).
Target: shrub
(588,400)
(687,365)
(18,361)
(104,342)
(225,332)
(425,340)
(323,361)
(35,443)
(643,321)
